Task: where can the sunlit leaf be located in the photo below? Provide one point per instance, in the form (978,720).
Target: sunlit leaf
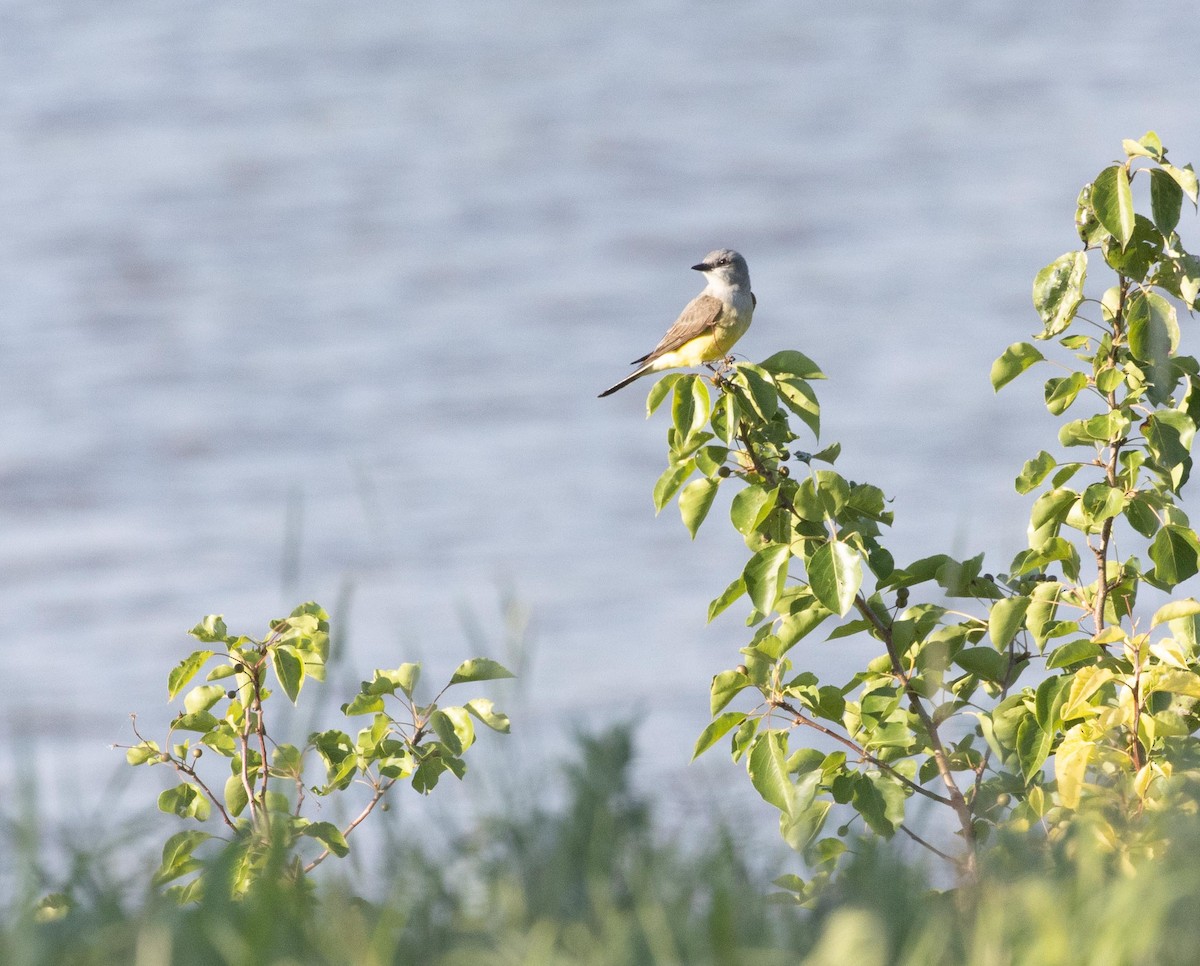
(289,669)
(764,576)
(330,835)
(767,766)
(1166,200)
(1057,292)
(185,671)
(1175,610)
(1112,201)
(1012,362)
(1005,620)
(695,501)
(480,669)
(717,729)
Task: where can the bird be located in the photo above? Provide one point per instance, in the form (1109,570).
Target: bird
(709,325)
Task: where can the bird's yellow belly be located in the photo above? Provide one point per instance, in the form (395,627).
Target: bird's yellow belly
(704,348)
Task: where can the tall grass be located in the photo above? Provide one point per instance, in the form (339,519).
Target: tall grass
(593,882)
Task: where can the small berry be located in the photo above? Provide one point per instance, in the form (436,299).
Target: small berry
(742,669)
(784,472)
(724,471)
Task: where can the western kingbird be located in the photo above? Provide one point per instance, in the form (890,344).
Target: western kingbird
(712,322)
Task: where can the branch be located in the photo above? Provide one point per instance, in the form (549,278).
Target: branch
(380,791)
(800,718)
(932,848)
(940,757)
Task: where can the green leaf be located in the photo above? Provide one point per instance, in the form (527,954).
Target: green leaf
(1050,509)
(835,575)
(983,662)
(1148,147)
(871,800)
(751,507)
(403,678)
(725,687)
(186,801)
(760,390)
(765,574)
(790,362)
(363,704)
(672,479)
(1048,703)
(200,721)
(1176,555)
(798,396)
(1166,200)
(142,752)
(177,857)
(660,390)
(203,697)
(1171,680)
(1057,292)
(1185,177)
(479,669)
(1012,362)
(727,597)
(1070,765)
(767,766)
(185,671)
(1175,610)
(485,711)
(1153,339)
(329,834)
(1102,428)
(1141,517)
(716,730)
(289,669)
(453,726)
(1113,202)
(1033,747)
(1034,471)
(1169,434)
(1091,232)
(690,406)
(235,795)
(804,614)
(1005,620)
(695,501)
(1061,391)
(1135,258)
(211,630)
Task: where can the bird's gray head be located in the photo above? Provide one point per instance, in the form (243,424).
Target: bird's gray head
(726,266)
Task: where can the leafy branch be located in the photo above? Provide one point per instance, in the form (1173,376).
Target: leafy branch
(1046,695)
(263,800)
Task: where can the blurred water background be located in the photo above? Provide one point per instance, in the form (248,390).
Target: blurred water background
(304,300)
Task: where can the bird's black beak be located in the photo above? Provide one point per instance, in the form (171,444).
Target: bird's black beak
(702,267)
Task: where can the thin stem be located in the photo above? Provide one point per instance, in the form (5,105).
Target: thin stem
(800,718)
(940,757)
(932,848)
(380,791)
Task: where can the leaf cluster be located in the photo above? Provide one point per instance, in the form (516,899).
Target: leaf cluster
(1010,699)
(262,799)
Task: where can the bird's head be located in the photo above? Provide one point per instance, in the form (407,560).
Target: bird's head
(725,266)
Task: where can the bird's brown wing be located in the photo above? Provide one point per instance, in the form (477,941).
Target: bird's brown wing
(700,315)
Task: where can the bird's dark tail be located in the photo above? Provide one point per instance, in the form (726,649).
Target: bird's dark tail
(636,374)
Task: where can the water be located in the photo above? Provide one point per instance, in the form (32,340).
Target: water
(300,297)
